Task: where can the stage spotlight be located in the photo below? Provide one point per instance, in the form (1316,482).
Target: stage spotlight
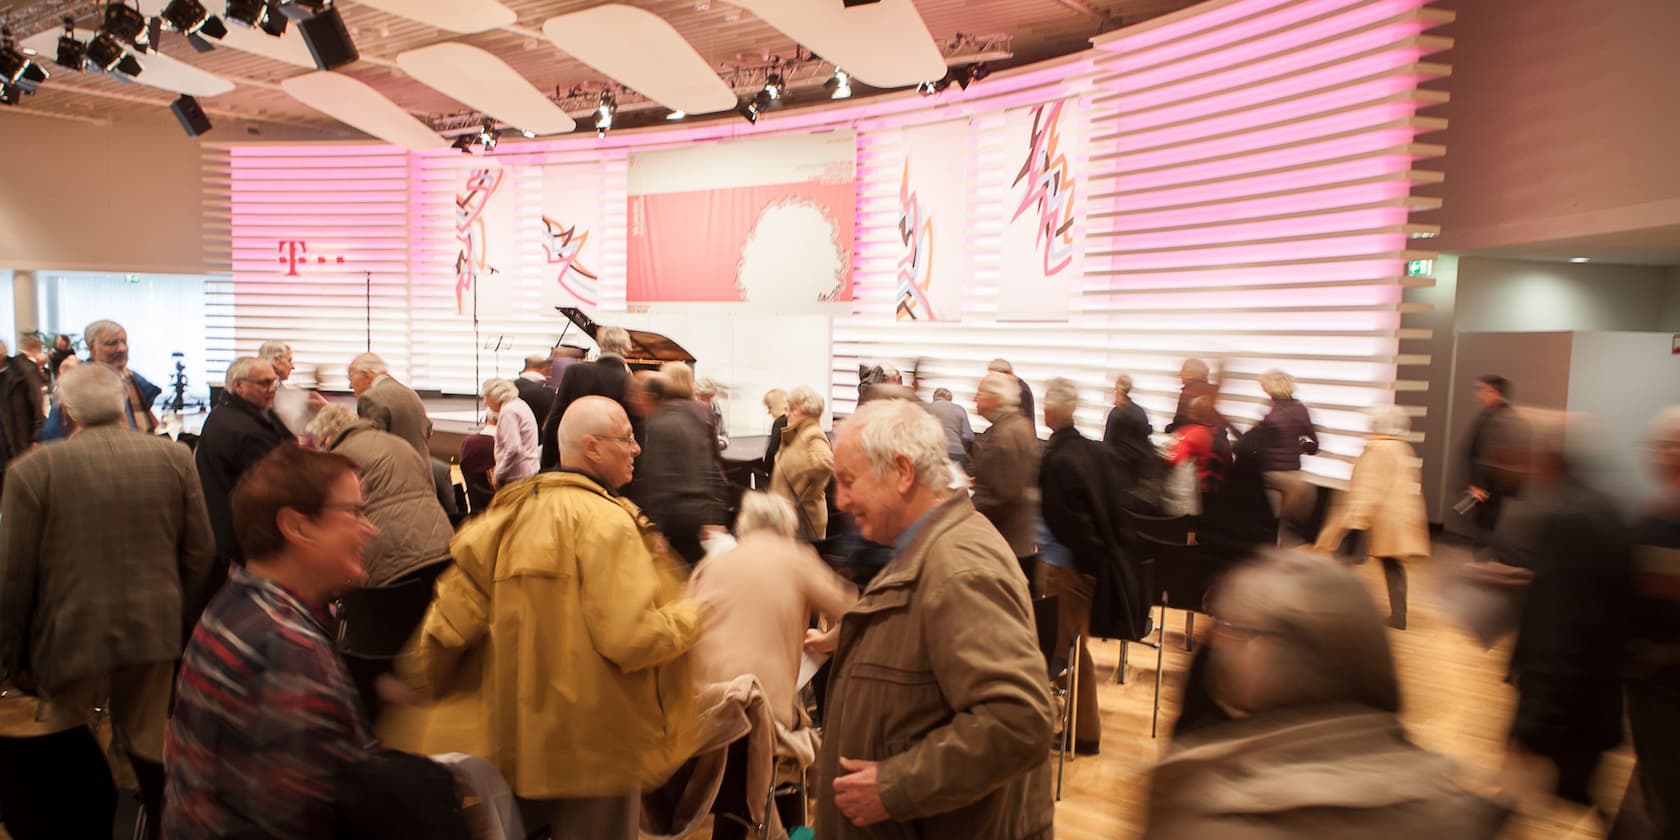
(840,86)
(980,71)
(749,111)
(10,94)
(604,113)
(129,66)
(17,69)
(297,9)
(927,88)
(274,23)
(189,17)
(125,23)
(774,86)
(962,76)
(487,136)
(72,54)
(464,143)
(246,13)
(676,115)
(106,52)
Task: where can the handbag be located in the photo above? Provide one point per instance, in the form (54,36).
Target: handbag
(1182,494)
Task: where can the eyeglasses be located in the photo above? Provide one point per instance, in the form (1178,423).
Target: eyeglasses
(1239,632)
(360,509)
(627,440)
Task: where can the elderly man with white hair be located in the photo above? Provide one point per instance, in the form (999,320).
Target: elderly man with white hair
(938,713)
(105,556)
(238,433)
(107,344)
(1005,467)
(517,450)
(294,406)
(805,464)
(607,376)
(388,404)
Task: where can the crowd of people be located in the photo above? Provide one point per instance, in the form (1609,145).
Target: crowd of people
(627,641)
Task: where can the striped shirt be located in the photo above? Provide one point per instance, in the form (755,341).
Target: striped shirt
(265,718)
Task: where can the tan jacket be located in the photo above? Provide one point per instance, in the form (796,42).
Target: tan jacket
(555,646)
(804,467)
(939,678)
(394,407)
(1005,468)
(1313,774)
(1385,497)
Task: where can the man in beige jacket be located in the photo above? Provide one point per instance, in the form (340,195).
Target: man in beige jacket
(938,713)
(1005,468)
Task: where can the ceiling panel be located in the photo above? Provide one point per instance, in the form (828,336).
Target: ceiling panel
(355,103)
(464,16)
(884,44)
(480,80)
(644,53)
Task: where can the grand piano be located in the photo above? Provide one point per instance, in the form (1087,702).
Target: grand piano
(648,350)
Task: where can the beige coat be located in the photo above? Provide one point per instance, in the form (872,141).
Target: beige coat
(555,647)
(804,467)
(1384,497)
(394,407)
(1314,774)
(1005,468)
(758,598)
(939,678)
(414,532)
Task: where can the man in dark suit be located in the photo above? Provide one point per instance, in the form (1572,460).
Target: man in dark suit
(533,385)
(1495,430)
(388,404)
(105,554)
(238,433)
(21,414)
(1005,468)
(604,377)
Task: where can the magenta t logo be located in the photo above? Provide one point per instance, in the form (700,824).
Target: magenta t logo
(295,252)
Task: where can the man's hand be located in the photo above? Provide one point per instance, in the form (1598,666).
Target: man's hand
(1479,494)
(858,795)
(392,691)
(822,642)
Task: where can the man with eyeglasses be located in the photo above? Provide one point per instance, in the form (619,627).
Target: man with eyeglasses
(556,646)
(240,430)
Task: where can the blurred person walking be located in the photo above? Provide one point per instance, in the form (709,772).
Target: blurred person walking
(805,464)
(517,450)
(1384,500)
(1286,433)
(1005,468)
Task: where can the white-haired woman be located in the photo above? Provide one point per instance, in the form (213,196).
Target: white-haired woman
(1287,434)
(805,464)
(518,451)
(1385,500)
(1315,748)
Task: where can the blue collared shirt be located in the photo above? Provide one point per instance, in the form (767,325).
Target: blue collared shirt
(903,540)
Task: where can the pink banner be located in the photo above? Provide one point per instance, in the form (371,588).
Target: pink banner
(788,245)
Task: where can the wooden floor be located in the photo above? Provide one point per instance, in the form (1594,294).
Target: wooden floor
(1456,702)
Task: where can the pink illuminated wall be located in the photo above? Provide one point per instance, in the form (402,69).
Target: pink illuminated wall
(1238,184)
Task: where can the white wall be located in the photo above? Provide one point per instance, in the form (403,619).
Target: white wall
(1562,120)
(1620,380)
(82,197)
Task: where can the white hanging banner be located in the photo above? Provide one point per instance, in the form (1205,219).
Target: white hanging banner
(1044,212)
(933,222)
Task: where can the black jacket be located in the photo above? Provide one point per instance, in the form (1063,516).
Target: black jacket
(1082,485)
(775,444)
(21,412)
(604,377)
(1288,434)
(236,435)
(677,483)
(1494,429)
(1569,701)
(538,395)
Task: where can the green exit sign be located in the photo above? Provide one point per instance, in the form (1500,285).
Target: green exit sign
(132,278)
(1420,268)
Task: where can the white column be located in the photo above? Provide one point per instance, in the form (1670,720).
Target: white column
(26,305)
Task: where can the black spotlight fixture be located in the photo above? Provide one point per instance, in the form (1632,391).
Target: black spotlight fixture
(464,143)
(189,17)
(605,113)
(748,111)
(274,23)
(298,9)
(980,71)
(72,54)
(16,69)
(246,13)
(774,85)
(927,88)
(126,24)
(10,94)
(129,66)
(487,136)
(106,52)
(962,76)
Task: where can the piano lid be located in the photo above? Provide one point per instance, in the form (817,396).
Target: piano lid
(648,350)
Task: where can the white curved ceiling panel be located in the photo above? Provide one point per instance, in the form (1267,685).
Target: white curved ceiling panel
(352,102)
(479,79)
(463,16)
(159,71)
(642,52)
(883,44)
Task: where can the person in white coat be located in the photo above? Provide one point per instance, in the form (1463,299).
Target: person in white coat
(1385,499)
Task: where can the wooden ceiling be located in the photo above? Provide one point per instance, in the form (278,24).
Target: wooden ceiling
(726,36)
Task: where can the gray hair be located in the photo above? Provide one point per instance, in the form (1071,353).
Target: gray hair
(241,368)
(776,400)
(614,340)
(1195,368)
(369,363)
(807,400)
(1062,395)
(761,511)
(676,381)
(330,423)
(889,428)
(500,390)
(705,387)
(1003,386)
(92,395)
(95,332)
(1123,383)
(1390,420)
(1001,366)
(1333,647)
(942,393)
(536,362)
(271,350)
(1277,384)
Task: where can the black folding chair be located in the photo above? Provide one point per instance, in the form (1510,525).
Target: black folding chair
(1063,669)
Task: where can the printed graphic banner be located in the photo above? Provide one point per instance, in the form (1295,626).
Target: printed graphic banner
(933,222)
(1045,212)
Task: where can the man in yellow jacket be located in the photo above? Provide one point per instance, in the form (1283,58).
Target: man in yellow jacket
(556,646)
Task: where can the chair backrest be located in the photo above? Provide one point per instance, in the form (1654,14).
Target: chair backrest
(1168,529)
(361,630)
(1183,573)
(1047,620)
